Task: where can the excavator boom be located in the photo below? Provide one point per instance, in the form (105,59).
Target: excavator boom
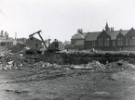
(38,32)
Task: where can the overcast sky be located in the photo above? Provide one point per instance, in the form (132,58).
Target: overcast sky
(60,19)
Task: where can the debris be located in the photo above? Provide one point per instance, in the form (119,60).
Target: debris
(10,62)
(76,66)
(93,50)
(95,65)
(121,62)
(16,91)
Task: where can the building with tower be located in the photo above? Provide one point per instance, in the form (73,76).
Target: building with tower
(107,39)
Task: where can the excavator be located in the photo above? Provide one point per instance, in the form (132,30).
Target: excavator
(38,32)
(54,46)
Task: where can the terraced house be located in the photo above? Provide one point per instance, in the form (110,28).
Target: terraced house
(5,40)
(107,39)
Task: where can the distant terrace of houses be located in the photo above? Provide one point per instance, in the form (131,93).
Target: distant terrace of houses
(107,39)
(5,40)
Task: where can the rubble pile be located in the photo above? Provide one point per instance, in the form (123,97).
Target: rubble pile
(77,66)
(121,62)
(19,61)
(95,65)
(14,61)
(120,65)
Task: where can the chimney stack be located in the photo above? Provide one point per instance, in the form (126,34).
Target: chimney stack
(112,29)
(80,31)
(2,33)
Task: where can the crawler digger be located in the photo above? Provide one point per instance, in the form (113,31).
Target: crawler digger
(47,46)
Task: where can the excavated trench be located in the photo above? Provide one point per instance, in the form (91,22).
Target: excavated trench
(84,58)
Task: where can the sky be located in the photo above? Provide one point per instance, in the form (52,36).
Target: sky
(60,19)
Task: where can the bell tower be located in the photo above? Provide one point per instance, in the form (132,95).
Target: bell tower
(107,29)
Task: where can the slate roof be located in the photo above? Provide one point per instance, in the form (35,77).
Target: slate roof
(131,32)
(79,36)
(124,32)
(114,34)
(91,36)
(84,34)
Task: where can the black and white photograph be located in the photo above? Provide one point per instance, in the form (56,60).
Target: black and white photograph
(67,49)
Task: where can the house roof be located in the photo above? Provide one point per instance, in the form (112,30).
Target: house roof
(91,36)
(124,32)
(79,36)
(114,34)
(131,32)
(84,34)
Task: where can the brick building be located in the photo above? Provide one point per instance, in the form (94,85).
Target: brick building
(107,39)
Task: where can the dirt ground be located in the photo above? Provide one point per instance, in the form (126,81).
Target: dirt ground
(39,84)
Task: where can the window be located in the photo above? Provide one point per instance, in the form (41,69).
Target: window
(113,43)
(120,41)
(127,42)
(100,42)
(106,41)
(3,44)
(93,43)
(132,41)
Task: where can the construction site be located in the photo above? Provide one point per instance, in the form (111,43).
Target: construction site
(47,71)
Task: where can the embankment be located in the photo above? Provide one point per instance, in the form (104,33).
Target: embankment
(84,58)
